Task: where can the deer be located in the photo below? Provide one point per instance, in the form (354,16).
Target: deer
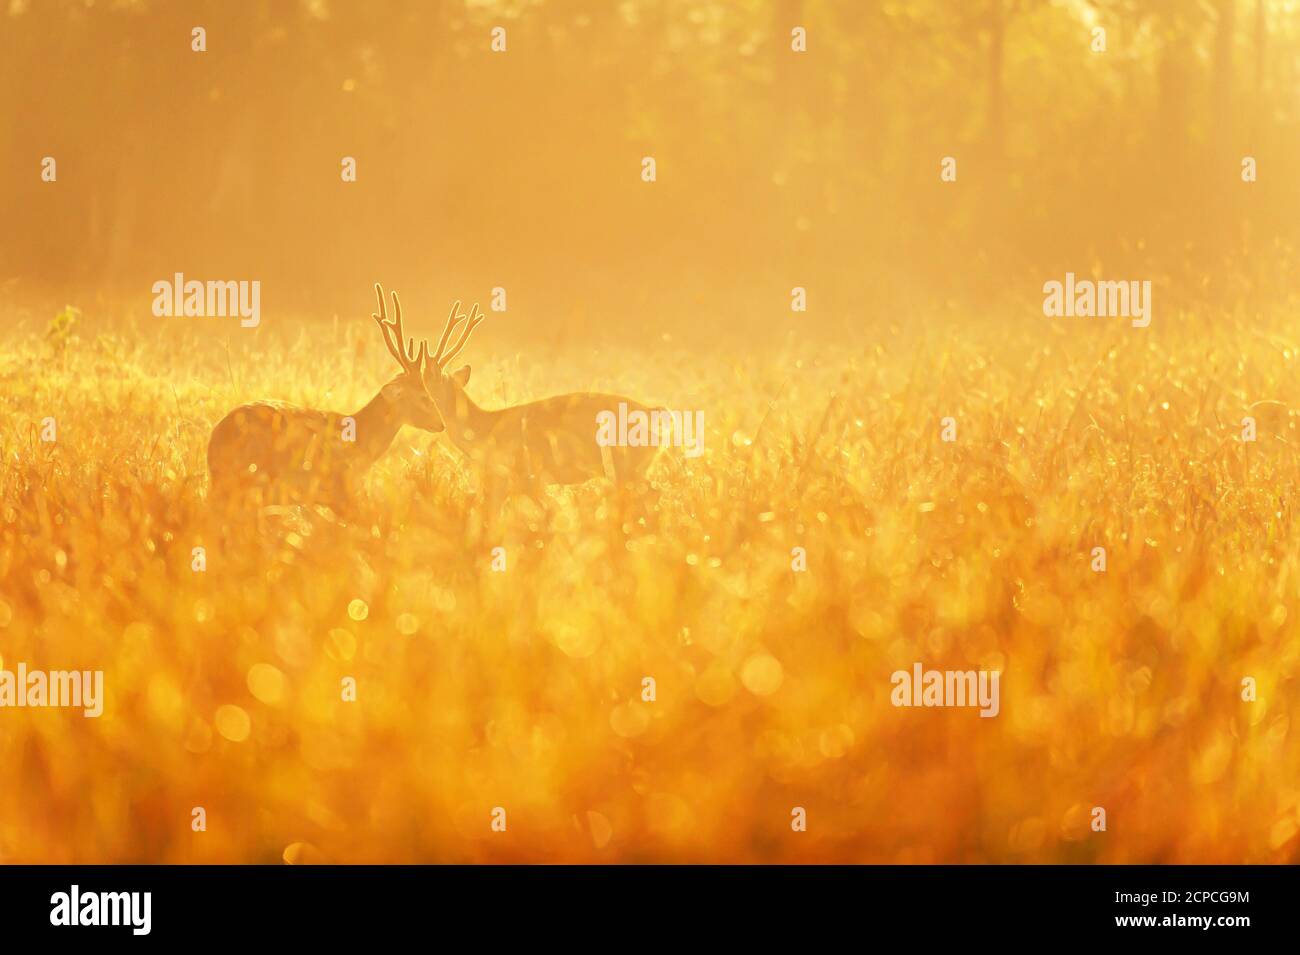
(306,455)
(552,441)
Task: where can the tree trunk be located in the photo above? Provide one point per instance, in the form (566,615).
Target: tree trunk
(1223,37)
(1261,40)
(995,91)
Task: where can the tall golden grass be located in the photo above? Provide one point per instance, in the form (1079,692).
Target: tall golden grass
(522,689)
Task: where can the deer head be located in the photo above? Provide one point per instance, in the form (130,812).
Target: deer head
(406,394)
(444,385)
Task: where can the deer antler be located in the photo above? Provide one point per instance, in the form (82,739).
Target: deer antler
(452,321)
(475,319)
(411,359)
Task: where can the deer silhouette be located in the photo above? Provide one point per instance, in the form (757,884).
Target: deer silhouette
(551,441)
(298,454)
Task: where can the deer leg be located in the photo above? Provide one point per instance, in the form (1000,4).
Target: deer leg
(531,478)
(493,484)
(344,493)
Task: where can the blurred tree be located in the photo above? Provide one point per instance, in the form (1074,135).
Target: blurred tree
(475,165)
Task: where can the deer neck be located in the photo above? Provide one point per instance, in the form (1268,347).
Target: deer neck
(377,426)
(469,423)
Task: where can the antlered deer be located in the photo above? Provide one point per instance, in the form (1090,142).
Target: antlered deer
(308,455)
(551,441)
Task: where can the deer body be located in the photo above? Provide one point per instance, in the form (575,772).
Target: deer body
(301,451)
(293,453)
(551,441)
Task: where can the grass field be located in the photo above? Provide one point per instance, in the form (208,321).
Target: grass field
(522,689)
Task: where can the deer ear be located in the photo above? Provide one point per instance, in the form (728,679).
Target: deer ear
(461,375)
(392,391)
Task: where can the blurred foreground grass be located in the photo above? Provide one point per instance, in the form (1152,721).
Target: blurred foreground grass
(523,689)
